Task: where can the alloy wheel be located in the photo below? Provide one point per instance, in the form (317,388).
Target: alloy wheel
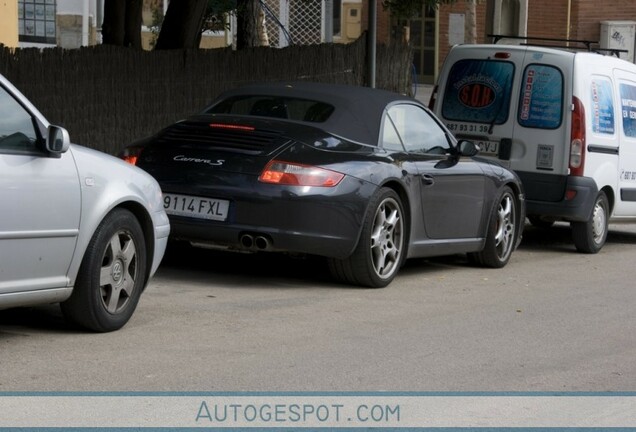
(118,272)
(386,238)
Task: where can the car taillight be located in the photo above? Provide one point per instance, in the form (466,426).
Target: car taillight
(232,127)
(131,154)
(577,137)
(286,173)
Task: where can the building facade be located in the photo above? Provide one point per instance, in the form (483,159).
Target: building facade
(433,32)
(47,23)
(9,23)
(74,23)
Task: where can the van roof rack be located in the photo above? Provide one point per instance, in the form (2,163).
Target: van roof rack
(613,51)
(587,43)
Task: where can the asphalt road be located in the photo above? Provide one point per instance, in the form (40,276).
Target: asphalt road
(552,320)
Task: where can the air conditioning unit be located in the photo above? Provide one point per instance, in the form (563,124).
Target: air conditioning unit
(619,35)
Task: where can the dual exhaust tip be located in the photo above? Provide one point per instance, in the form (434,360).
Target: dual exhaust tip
(259,242)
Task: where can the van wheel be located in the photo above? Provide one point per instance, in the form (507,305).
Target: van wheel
(502,233)
(589,237)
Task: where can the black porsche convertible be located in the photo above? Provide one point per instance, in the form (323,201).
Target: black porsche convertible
(364,177)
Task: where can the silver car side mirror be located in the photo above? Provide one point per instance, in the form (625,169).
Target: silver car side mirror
(58,140)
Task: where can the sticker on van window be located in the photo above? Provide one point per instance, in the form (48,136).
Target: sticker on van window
(478,91)
(628,103)
(541,98)
(602,106)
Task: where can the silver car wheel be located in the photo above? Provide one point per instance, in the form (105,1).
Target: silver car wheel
(386,238)
(112,275)
(118,272)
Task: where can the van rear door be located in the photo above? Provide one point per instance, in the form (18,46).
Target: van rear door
(511,101)
(541,149)
(476,102)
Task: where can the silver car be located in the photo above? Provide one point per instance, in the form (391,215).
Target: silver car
(77,226)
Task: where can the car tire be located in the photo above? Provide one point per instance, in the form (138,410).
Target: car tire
(589,236)
(501,236)
(382,245)
(111,276)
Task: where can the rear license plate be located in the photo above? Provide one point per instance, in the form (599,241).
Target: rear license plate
(490,148)
(197,207)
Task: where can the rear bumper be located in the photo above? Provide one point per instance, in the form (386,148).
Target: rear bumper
(317,221)
(261,238)
(577,209)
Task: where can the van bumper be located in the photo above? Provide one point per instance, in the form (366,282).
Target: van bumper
(578,209)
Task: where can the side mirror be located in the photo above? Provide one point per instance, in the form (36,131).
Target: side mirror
(467,148)
(58,140)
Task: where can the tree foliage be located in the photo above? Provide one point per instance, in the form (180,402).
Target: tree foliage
(185,20)
(214,18)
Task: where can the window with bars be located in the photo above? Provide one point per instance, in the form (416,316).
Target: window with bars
(298,22)
(36,21)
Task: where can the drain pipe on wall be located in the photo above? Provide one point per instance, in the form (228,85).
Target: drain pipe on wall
(85,13)
(371,42)
(567,30)
(99,20)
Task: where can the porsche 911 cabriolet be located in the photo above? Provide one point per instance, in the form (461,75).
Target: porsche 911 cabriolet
(363,177)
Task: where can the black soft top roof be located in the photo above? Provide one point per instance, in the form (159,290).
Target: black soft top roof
(358,110)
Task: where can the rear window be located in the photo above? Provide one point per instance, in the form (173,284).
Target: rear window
(478,91)
(602,112)
(274,107)
(541,98)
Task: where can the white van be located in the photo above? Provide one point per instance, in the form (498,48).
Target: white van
(564,121)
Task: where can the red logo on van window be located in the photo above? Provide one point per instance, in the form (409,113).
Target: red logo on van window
(476,95)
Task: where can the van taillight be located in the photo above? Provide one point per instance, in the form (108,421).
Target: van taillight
(577,137)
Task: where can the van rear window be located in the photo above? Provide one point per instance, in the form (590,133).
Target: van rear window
(541,98)
(478,91)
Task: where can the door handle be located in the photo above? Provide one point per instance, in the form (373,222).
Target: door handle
(427,179)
